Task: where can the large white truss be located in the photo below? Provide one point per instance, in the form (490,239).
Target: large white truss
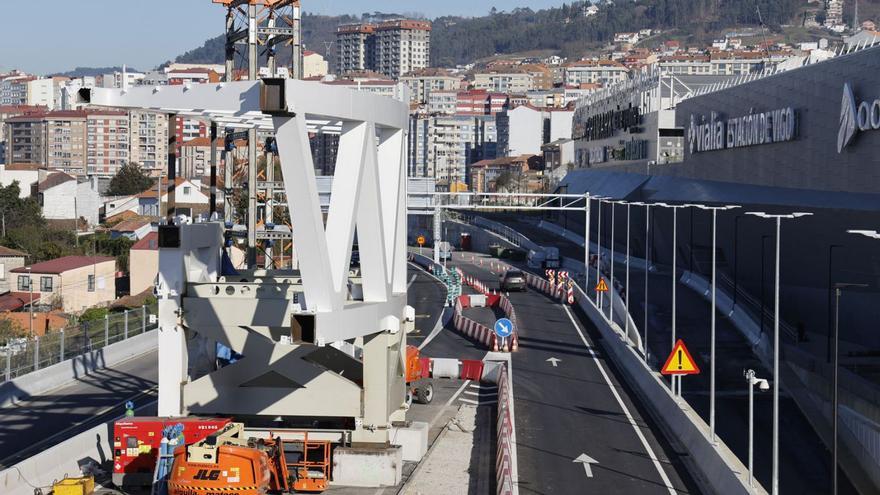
(255,313)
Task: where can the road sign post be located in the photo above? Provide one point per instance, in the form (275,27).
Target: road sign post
(601,289)
(420,240)
(680,361)
(503,328)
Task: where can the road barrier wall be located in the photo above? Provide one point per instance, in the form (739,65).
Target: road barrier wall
(505,460)
(68,371)
(85,451)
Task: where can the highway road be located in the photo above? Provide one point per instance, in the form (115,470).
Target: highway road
(569,402)
(46,419)
(804,460)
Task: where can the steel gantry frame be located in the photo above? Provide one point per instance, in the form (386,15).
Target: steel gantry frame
(252,25)
(321,342)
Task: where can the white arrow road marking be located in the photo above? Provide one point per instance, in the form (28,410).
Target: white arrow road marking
(588,462)
(554,361)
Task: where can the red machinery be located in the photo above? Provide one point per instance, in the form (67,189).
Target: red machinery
(136,444)
(417,369)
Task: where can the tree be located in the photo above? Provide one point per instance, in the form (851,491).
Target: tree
(129,180)
(9,330)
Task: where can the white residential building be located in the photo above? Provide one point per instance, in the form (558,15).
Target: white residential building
(41,92)
(62,197)
(604,72)
(425,82)
(506,82)
(314,65)
(530,128)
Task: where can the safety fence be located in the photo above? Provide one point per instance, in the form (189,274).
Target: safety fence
(475,330)
(449,278)
(21,356)
(501,301)
(505,453)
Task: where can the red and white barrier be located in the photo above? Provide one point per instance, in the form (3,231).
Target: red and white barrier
(470,328)
(493,299)
(504,462)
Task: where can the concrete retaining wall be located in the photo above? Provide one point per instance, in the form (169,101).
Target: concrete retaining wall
(63,373)
(90,447)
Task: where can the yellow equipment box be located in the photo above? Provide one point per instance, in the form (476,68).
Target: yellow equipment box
(74,486)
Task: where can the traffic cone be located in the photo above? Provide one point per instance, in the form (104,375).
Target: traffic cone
(495,344)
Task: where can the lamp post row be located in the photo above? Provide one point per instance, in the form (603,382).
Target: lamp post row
(645,354)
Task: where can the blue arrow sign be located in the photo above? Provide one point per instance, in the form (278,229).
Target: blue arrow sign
(503,328)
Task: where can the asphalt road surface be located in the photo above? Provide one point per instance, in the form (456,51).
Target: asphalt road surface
(804,460)
(46,419)
(569,402)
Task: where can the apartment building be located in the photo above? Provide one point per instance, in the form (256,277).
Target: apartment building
(480,102)
(417,145)
(41,92)
(456,141)
(442,102)
(194,161)
(108,142)
(402,46)
(728,63)
(149,140)
(72,283)
(604,72)
(8,111)
(423,83)
(354,47)
(392,48)
(505,82)
(14,89)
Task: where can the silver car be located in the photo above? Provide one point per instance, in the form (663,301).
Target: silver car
(513,280)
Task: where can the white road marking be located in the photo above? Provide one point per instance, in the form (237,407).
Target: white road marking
(450,401)
(587,461)
(554,361)
(629,417)
(413,279)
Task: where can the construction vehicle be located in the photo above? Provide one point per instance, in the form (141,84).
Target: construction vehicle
(228,462)
(417,369)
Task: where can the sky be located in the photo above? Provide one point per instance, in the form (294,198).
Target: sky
(58,35)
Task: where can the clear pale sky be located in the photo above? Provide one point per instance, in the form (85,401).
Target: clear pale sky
(58,35)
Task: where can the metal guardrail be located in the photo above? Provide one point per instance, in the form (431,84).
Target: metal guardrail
(25,355)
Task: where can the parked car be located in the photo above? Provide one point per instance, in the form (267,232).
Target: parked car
(513,280)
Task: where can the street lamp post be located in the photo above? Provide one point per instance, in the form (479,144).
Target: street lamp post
(762,383)
(647,272)
(714,210)
(775,480)
(626,296)
(674,209)
(599,252)
(611,286)
(586,244)
(31,305)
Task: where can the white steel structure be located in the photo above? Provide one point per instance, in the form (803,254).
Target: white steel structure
(290,326)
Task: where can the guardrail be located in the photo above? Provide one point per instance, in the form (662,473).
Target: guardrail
(26,355)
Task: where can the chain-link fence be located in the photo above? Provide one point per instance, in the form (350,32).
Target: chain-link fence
(25,355)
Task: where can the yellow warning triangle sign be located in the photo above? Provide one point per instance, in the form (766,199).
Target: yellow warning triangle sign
(680,361)
(601,286)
